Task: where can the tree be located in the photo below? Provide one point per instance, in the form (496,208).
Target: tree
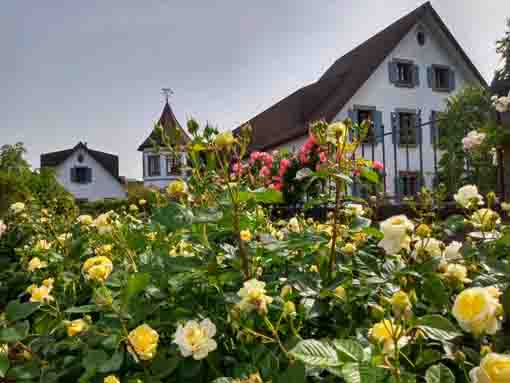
(503,48)
(12,160)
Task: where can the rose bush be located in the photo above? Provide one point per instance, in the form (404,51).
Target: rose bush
(199,284)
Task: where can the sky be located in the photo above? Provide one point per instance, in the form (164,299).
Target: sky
(93,70)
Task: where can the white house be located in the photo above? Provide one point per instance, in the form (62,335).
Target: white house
(160,164)
(399,79)
(89,175)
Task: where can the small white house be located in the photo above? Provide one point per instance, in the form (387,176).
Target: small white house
(89,175)
(399,79)
(161,165)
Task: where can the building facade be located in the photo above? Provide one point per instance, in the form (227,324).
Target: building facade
(89,175)
(399,79)
(163,155)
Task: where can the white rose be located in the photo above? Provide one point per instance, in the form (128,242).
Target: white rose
(17,207)
(468,194)
(354,209)
(196,339)
(473,140)
(396,234)
(452,251)
(431,246)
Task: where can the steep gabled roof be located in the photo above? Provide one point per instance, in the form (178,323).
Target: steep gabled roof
(170,126)
(109,162)
(289,118)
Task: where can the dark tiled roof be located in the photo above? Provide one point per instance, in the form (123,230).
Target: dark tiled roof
(108,161)
(170,125)
(289,118)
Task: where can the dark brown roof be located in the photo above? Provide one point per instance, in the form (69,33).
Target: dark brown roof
(108,161)
(289,118)
(170,125)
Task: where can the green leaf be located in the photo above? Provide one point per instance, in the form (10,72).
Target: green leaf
(303,173)
(4,364)
(455,223)
(82,309)
(362,373)
(262,195)
(135,285)
(348,350)
(295,374)
(24,372)
(113,364)
(315,353)
(94,359)
(369,175)
(439,374)
(223,380)
(15,333)
(16,310)
(434,291)
(173,216)
(437,327)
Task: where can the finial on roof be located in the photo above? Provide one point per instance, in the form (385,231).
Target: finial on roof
(167,92)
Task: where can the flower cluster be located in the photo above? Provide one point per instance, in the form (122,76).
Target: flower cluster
(502,104)
(473,140)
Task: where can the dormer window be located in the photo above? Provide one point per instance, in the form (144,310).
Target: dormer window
(441,78)
(404,73)
(81,175)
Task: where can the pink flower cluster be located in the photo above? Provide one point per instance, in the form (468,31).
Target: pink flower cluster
(473,140)
(265,158)
(377,165)
(307,149)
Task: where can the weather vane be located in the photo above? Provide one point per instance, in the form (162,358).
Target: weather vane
(167,92)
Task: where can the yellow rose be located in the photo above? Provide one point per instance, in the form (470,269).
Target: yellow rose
(494,368)
(246,235)
(103,223)
(468,196)
(40,294)
(289,308)
(98,268)
(111,379)
(151,236)
(423,231)
(396,234)
(177,188)
(457,273)
(340,292)
(143,342)
(104,249)
(36,264)
(348,249)
(386,332)
(85,220)
(253,296)
(48,282)
(400,302)
(313,269)
(224,139)
(76,326)
(196,338)
(133,207)
(42,245)
(485,219)
(477,310)
(17,207)
(142,202)
(336,133)
(294,225)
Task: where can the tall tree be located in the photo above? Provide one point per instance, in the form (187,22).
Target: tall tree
(503,48)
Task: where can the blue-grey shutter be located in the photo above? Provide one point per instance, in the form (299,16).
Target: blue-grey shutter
(89,175)
(73,174)
(430,77)
(398,186)
(452,80)
(392,68)
(433,128)
(416,75)
(395,128)
(378,133)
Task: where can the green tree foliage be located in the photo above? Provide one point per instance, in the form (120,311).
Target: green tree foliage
(468,110)
(503,48)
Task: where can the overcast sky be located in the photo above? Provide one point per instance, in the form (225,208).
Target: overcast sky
(92,70)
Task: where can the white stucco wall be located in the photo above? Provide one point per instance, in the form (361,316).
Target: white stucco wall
(163,179)
(103,184)
(379,92)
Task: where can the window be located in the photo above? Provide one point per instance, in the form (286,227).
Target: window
(420,36)
(173,164)
(364,115)
(404,73)
(407,128)
(81,175)
(441,78)
(154,166)
(408,183)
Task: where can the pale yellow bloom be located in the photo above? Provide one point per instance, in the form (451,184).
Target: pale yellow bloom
(386,332)
(340,292)
(40,294)
(143,342)
(17,207)
(196,338)
(427,247)
(336,133)
(104,249)
(133,208)
(485,219)
(468,196)
(97,268)
(224,139)
(289,308)
(103,223)
(396,234)
(354,209)
(477,310)
(253,296)
(85,220)
(111,379)
(313,269)
(48,282)
(456,272)
(36,264)
(177,188)
(452,251)
(348,249)
(294,225)
(63,238)
(151,236)
(182,249)
(246,235)
(494,368)
(76,326)
(142,202)
(400,303)
(42,245)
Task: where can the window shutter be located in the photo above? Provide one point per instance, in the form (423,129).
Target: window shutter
(416,75)
(378,126)
(430,77)
(392,67)
(353,115)
(399,186)
(395,128)
(452,80)
(89,175)
(73,174)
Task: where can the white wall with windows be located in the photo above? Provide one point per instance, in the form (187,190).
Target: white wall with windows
(159,169)
(431,72)
(86,179)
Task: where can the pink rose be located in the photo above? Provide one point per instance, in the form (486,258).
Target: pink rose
(265,172)
(377,165)
(322,157)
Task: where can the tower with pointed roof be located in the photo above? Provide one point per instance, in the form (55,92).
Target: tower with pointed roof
(163,152)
